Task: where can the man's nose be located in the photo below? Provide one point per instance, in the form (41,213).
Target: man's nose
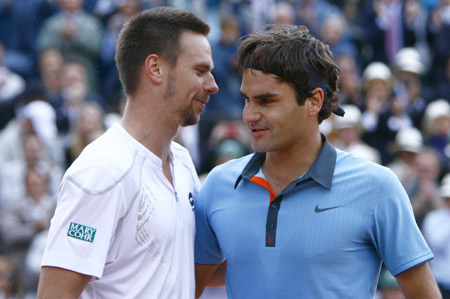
(250,113)
(210,85)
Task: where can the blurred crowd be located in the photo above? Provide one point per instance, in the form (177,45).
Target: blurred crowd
(59,90)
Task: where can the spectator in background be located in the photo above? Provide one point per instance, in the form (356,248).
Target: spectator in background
(11,86)
(385,112)
(13,173)
(436,128)
(408,67)
(377,85)
(23,218)
(77,33)
(284,14)
(423,190)
(408,143)
(35,117)
(51,64)
(88,127)
(436,229)
(348,132)
(334,32)
(74,91)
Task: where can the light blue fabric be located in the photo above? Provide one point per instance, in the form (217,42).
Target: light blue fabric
(319,252)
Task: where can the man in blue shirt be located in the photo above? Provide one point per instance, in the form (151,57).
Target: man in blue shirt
(299,218)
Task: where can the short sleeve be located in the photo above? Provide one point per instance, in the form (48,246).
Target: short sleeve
(83,228)
(207,248)
(397,237)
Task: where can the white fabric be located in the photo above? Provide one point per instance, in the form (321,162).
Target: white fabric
(143,246)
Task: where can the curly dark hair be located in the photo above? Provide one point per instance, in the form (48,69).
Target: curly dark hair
(295,57)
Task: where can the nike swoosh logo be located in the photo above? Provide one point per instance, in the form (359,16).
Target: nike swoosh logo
(319,210)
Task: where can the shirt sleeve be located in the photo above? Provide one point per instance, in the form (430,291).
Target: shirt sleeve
(83,228)
(397,237)
(207,248)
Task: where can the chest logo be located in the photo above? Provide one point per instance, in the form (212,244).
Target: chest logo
(191,200)
(319,210)
(81,232)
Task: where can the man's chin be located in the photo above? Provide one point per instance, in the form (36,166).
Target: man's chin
(190,121)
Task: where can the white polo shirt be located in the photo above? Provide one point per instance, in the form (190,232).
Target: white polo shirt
(119,220)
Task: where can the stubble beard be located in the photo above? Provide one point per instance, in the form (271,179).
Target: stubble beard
(187,114)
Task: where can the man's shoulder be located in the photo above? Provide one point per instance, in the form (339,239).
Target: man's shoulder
(103,163)
(231,168)
(359,166)
(178,150)
(181,155)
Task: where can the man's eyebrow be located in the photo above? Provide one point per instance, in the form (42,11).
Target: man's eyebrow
(261,96)
(205,66)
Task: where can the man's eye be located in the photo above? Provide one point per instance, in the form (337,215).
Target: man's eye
(266,101)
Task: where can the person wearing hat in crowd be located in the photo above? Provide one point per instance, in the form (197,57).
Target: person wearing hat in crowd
(348,135)
(408,67)
(436,229)
(436,128)
(384,114)
(38,117)
(377,86)
(299,217)
(408,143)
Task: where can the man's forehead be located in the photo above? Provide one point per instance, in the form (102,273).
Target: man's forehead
(196,48)
(259,73)
(255,81)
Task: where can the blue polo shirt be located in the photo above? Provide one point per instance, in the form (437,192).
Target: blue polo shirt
(324,236)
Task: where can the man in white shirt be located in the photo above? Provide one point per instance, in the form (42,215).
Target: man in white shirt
(124,225)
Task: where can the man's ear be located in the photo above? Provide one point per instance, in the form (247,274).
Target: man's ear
(315,102)
(153,68)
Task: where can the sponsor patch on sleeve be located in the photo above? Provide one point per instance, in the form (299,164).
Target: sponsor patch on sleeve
(81,232)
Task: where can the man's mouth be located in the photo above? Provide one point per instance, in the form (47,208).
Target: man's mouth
(257,131)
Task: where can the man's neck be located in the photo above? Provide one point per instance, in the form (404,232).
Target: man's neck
(281,168)
(151,129)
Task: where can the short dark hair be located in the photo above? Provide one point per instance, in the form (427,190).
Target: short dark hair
(153,31)
(295,57)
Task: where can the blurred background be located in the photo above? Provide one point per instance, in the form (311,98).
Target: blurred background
(60,90)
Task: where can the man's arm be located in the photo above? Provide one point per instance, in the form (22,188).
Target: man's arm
(209,275)
(60,283)
(418,282)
